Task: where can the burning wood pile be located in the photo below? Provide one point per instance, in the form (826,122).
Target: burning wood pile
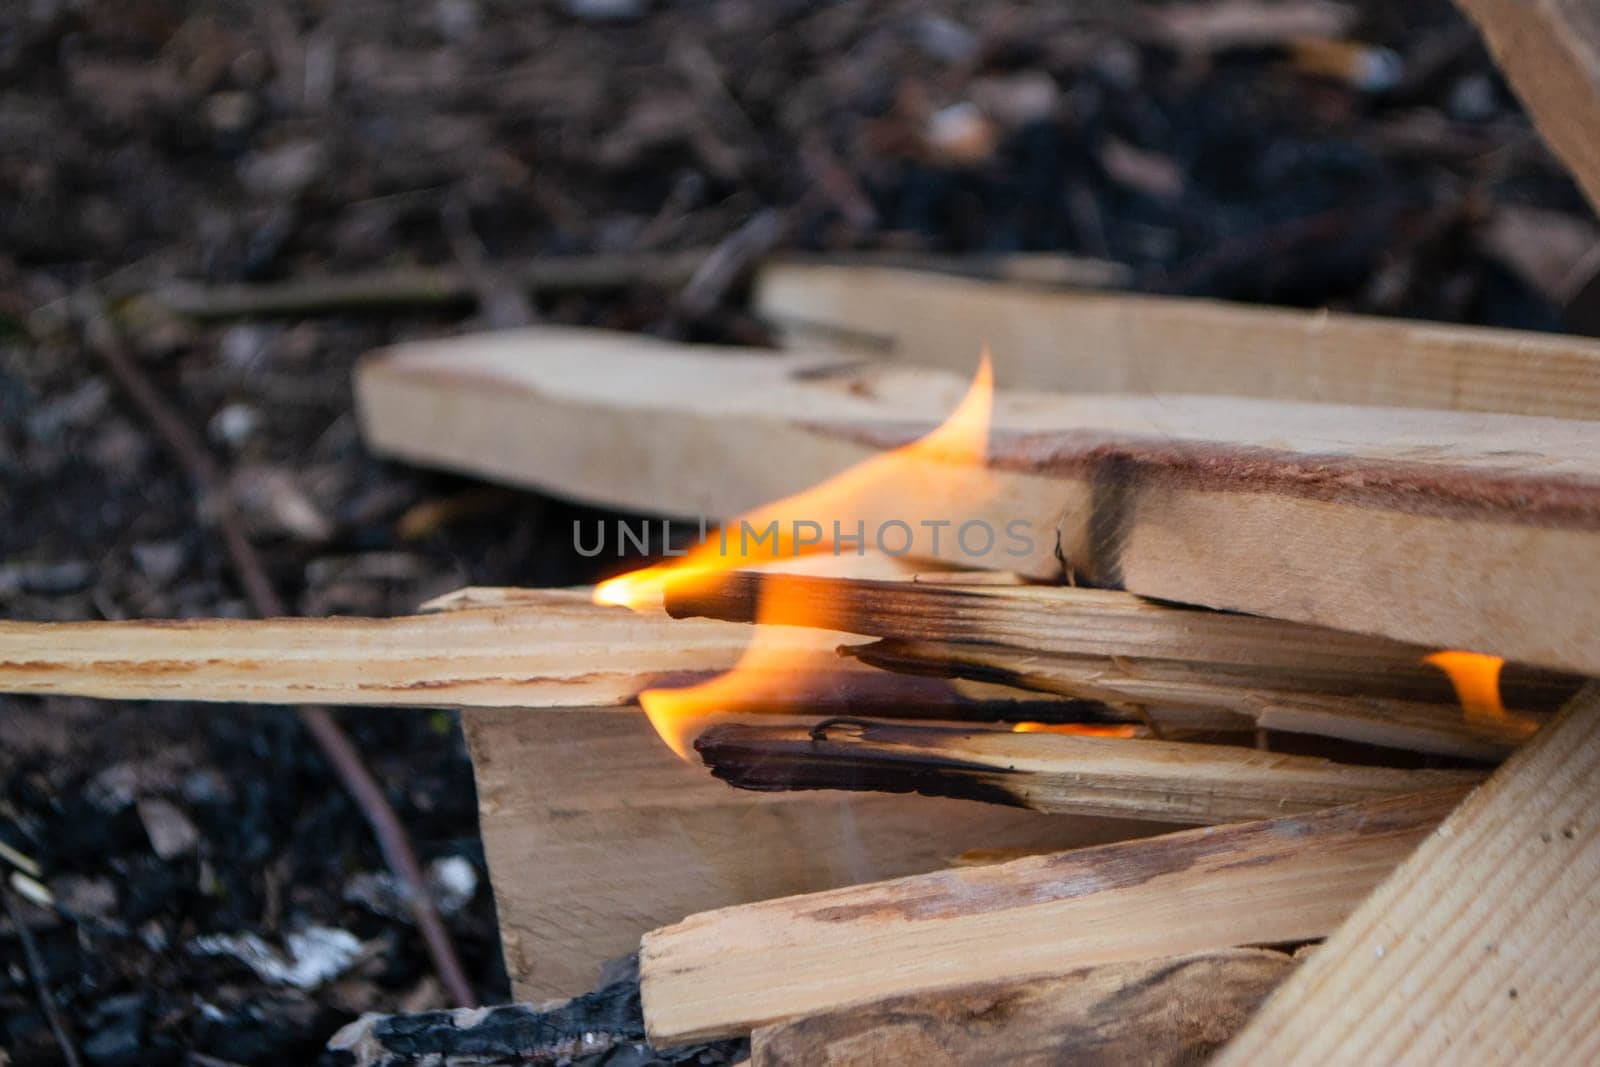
(1196,682)
(1068,710)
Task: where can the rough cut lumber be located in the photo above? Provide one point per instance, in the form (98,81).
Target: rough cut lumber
(1086,342)
(595,833)
(1067,621)
(1160,688)
(1457,530)
(554,648)
(494,648)
(1291,879)
(1550,52)
(1157,1013)
(1481,948)
(1165,781)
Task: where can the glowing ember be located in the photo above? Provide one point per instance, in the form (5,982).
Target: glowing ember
(1476,678)
(1077,729)
(946,462)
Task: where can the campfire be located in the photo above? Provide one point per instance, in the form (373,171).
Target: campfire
(988,721)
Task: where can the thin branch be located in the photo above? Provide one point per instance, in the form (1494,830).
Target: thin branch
(41,980)
(190,451)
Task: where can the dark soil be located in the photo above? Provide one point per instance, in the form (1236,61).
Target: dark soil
(224,141)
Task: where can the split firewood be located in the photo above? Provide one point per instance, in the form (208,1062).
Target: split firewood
(1160,1013)
(1488,934)
(560,651)
(524,648)
(1158,689)
(596,833)
(1443,528)
(1550,52)
(1085,342)
(1283,880)
(1050,772)
(1067,621)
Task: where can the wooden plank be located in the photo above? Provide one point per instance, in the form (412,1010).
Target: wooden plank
(1157,689)
(730,971)
(1166,781)
(1157,1013)
(554,648)
(1088,342)
(1481,948)
(495,648)
(1549,50)
(1448,529)
(596,833)
(1136,641)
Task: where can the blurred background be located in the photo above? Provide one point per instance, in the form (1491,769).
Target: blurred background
(1359,156)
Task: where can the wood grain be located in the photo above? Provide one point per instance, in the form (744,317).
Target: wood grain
(1157,1013)
(1087,342)
(1165,781)
(730,971)
(1549,50)
(1443,528)
(1481,948)
(595,833)
(554,648)
(1105,624)
(1260,697)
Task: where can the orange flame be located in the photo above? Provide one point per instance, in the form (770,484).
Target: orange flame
(947,464)
(1077,729)
(1476,678)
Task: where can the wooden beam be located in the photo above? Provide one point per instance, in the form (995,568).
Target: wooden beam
(1086,342)
(554,649)
(1255,698)
(729,971)
(1549,51)
(490,648)
(1481,948)
(1164,781)
(1055,622)
(595,833)
(1448,529)
(1159,1013)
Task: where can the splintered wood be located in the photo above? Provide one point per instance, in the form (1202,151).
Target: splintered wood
(554,648)
(1451,529)
(596,833)
(1049,772)
(1113,647)
(1481,948)
(1284,880)
(1157,1013)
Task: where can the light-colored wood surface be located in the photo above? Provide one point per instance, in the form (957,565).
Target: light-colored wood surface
(1061,774)
(1482,947)
(1088,342)
(1549,50)
(554,648)
(595,833)
(1443,528)
(1156,1013)
(730,971)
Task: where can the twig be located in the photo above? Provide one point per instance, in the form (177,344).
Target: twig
(207,475)
(729,262)
(41,980)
